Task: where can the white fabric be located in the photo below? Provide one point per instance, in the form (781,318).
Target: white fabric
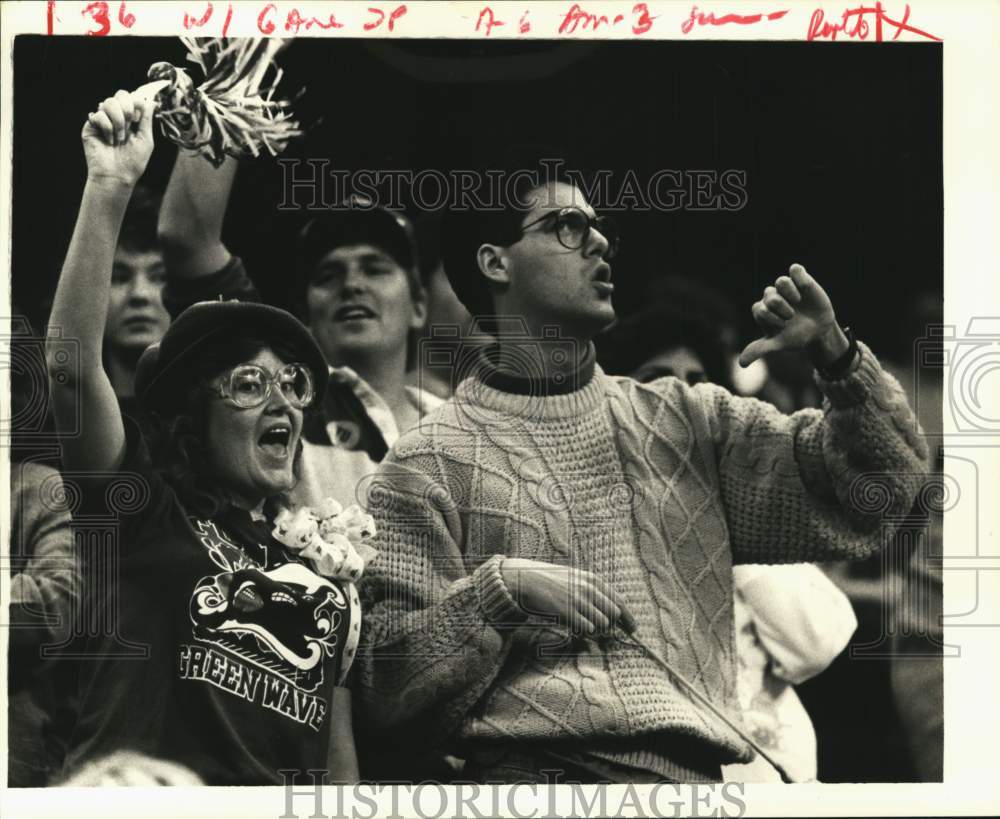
(339,473)
(791,622)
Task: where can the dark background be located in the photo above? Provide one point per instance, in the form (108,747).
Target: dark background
(841,147)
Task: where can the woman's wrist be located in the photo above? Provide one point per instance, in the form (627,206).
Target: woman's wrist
(110,185)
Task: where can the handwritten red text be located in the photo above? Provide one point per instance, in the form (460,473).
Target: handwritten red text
(100,14)
(190,21)
(702,19)
(487,21)
(578,18)
(394,15)
(854,24)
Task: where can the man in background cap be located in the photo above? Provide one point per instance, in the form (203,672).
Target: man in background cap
(358,291)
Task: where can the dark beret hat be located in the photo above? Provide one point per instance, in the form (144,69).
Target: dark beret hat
(162,365)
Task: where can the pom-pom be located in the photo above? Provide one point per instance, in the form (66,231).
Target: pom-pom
(233,112)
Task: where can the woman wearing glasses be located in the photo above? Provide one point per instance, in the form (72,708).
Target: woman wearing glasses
(218,647)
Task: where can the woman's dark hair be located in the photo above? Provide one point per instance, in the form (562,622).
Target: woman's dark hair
(178,439)
(636,339)
(138,232)
(467,226)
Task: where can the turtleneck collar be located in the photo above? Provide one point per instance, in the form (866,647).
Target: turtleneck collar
(529,380)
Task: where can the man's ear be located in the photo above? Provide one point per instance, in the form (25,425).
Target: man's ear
(493,264)
(419,302)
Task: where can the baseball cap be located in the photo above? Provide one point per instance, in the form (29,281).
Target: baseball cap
(358,221)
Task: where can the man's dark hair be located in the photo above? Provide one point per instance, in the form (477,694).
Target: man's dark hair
(466,228)
(138,231)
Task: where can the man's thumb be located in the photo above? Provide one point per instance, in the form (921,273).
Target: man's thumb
(756,349)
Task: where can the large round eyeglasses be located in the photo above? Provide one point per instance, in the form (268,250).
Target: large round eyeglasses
(573,226)
(250,385)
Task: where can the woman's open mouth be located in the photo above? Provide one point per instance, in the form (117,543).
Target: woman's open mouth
(275,441)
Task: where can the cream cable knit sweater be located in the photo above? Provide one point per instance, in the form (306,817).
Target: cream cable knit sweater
(658,488)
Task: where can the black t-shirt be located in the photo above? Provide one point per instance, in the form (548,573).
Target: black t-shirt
(225,647)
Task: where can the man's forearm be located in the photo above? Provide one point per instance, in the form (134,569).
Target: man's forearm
(797,487)
(192,214)
(426,666)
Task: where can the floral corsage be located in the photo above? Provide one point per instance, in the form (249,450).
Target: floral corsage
(335,539)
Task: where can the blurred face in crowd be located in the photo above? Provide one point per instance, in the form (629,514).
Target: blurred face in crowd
(680,362)
(360,304)
(251,451)
(546,282)
(136,315)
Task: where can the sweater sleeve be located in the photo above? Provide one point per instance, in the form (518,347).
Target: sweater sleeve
(434,633)
(802,620)
(231,282)
(47,578)
(817,484)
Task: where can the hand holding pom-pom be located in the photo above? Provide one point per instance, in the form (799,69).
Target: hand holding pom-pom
(233,111)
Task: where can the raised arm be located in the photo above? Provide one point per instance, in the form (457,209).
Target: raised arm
(192,213)
(199,266)
(117,144)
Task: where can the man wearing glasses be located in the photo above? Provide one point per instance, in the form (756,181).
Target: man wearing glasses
(553,596)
